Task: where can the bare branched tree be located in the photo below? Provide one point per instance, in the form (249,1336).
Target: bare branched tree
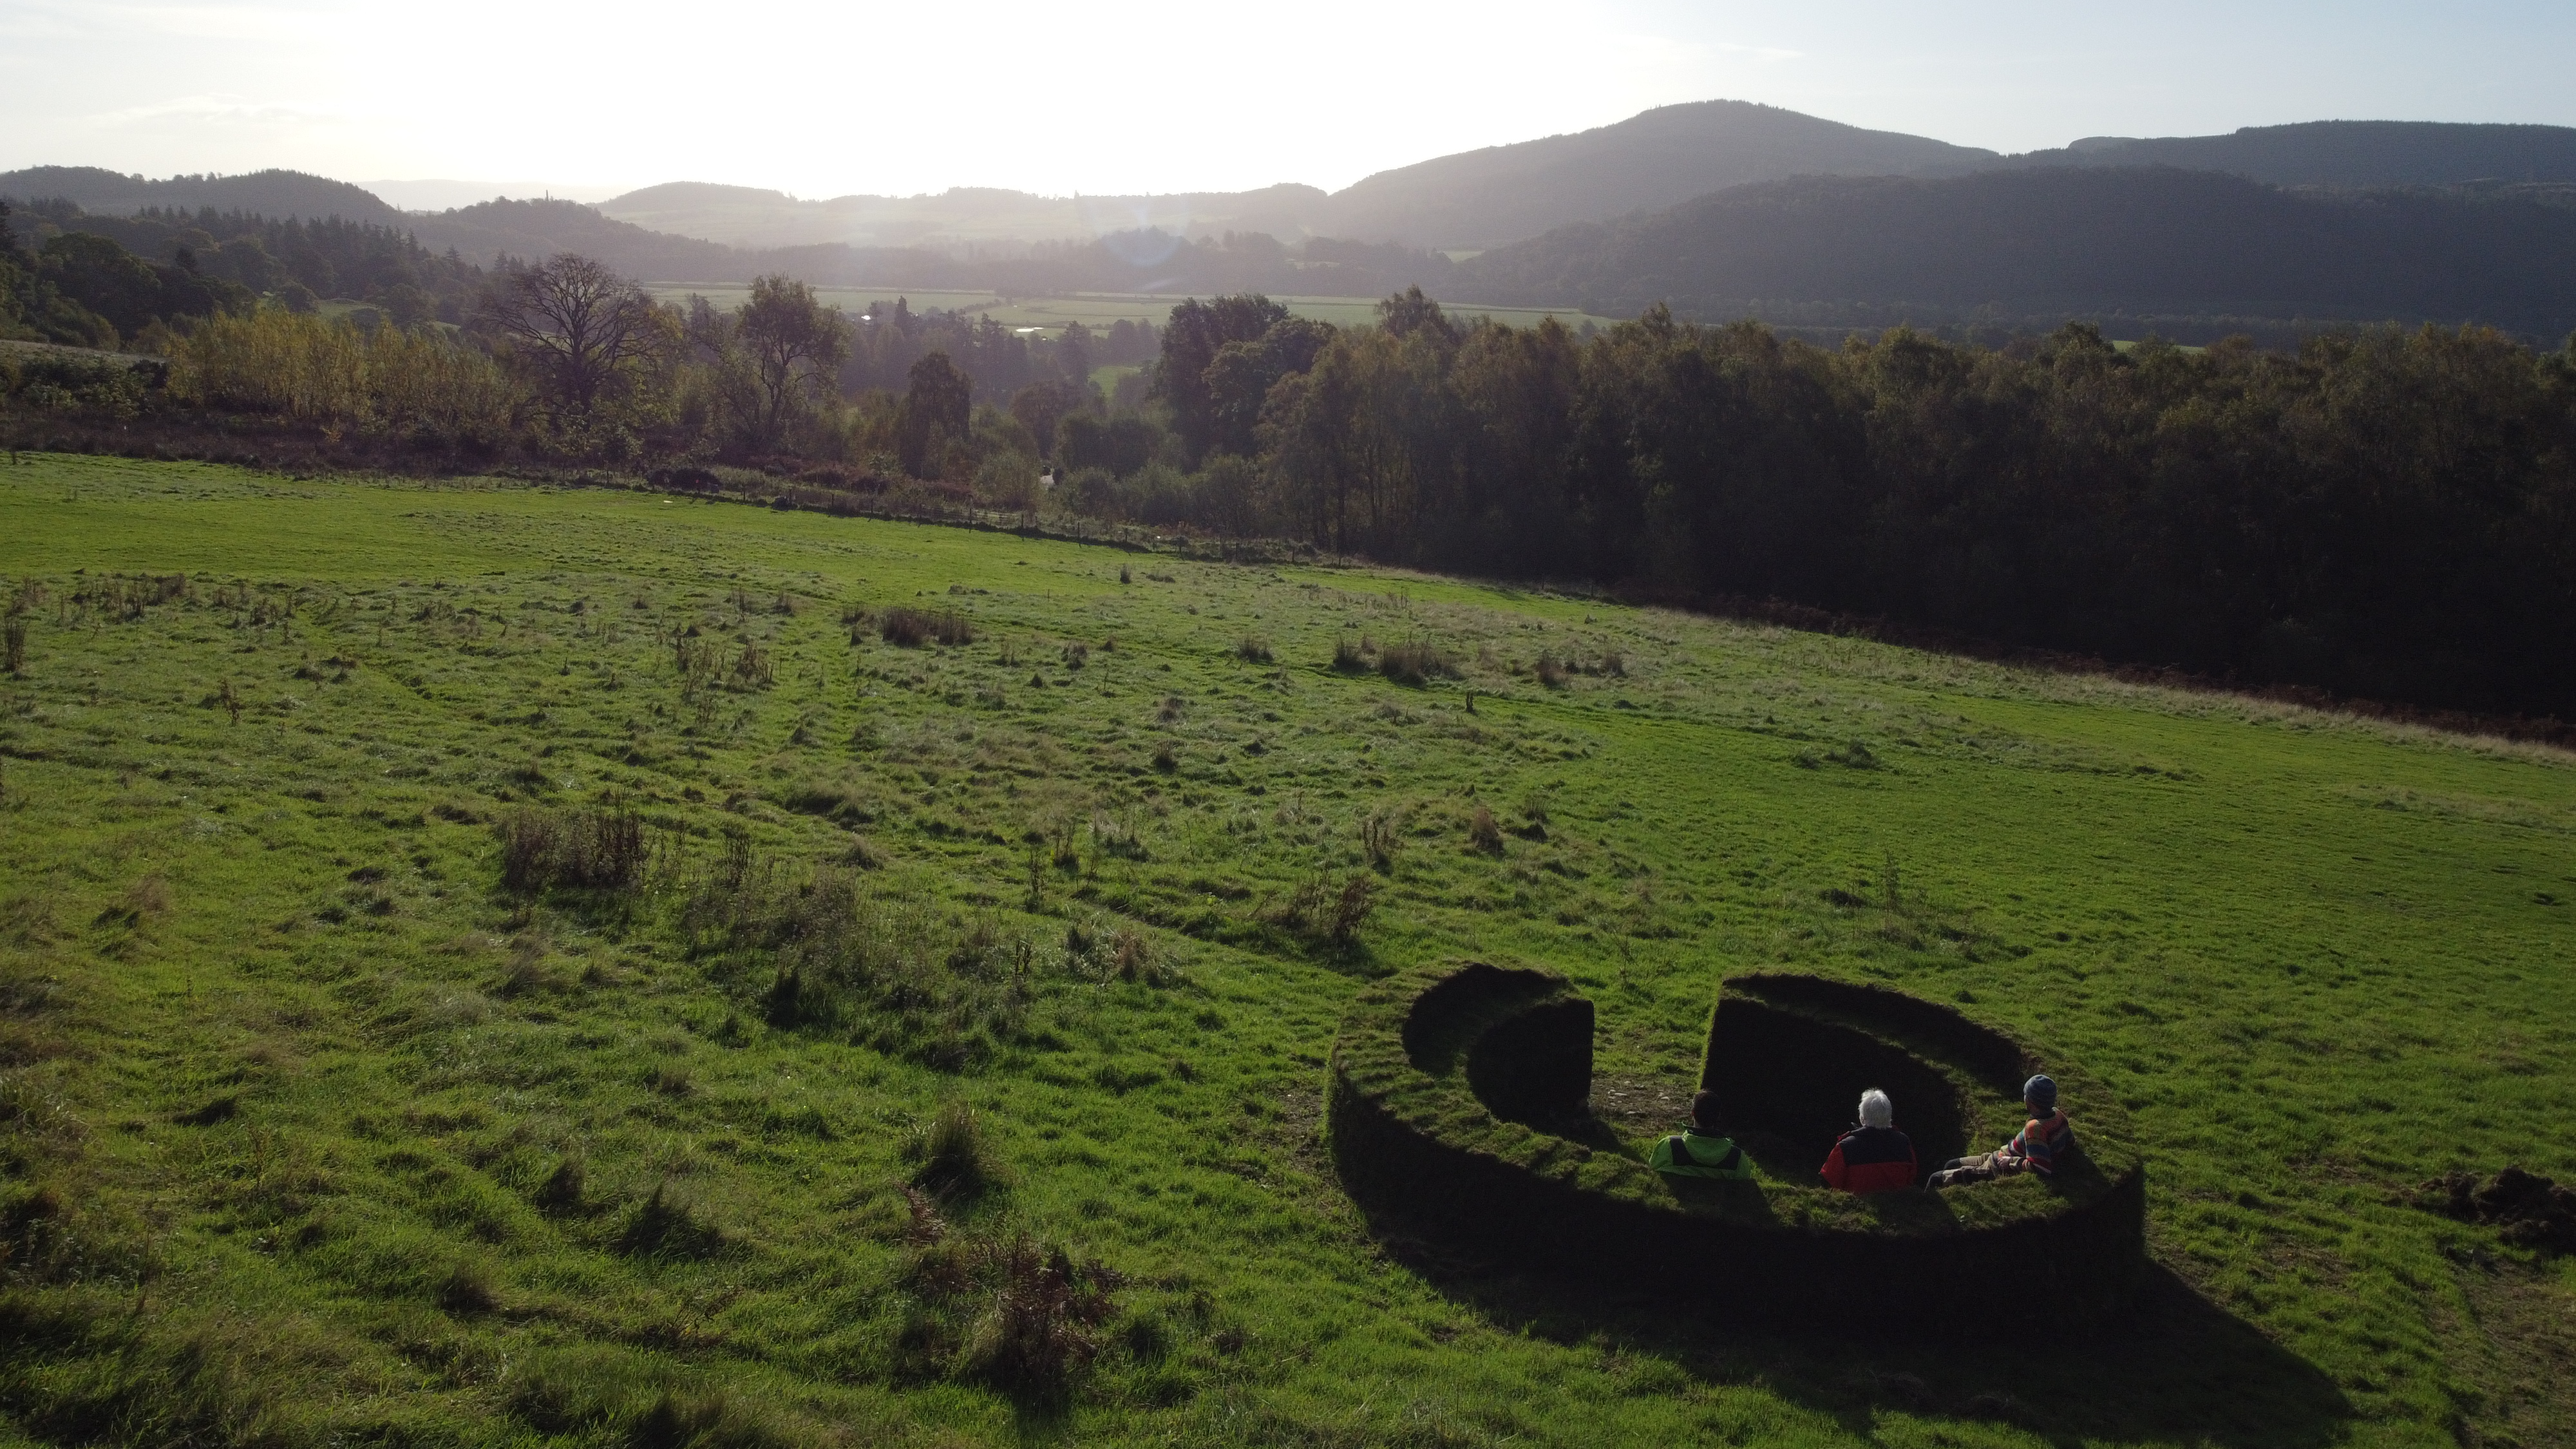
(581,324)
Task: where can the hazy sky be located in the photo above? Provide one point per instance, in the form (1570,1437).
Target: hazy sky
(1149,95)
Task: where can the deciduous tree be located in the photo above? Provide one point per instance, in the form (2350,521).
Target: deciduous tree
(583,329)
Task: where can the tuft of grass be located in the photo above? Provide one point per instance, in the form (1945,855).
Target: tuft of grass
(666,1225)
(566,1190)
(468,1289)
(1252,649)
(953,1159)
(1348,658)
(1415,662)
(596,849)
(1001,1308)
(908,628)
(1484,833)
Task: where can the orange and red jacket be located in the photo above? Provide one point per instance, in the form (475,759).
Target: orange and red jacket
(1871,1159)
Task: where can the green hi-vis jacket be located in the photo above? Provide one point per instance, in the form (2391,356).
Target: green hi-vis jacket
(1694,1153)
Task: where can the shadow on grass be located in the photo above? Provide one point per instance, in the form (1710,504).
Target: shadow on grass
(2174,1366)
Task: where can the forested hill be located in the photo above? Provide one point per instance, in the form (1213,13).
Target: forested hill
(276,194)
(2345,153)
(2180,248)
(480,234)
(1653,159)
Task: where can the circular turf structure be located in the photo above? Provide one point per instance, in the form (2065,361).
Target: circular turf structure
(1459,1102)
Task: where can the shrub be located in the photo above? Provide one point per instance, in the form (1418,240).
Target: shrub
(314,370)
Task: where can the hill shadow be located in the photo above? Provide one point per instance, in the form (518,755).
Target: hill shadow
(2173,1366)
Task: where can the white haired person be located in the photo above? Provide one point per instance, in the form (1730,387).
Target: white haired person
(2042,1143)
(1873,1157)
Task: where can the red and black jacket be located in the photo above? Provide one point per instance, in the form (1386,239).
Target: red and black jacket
(1871,1159)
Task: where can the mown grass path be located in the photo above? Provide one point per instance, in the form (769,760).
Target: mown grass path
(287,1074)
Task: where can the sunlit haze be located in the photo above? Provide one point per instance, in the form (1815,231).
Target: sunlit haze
(827,99)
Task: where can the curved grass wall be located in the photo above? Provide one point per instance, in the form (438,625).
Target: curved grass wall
(1458,1101)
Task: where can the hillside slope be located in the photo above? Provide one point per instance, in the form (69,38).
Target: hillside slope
(347,1103)
(2077,241)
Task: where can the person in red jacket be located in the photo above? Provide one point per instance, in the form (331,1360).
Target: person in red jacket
(1873,1157)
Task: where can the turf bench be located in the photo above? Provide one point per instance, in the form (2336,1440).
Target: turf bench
(1458,1102)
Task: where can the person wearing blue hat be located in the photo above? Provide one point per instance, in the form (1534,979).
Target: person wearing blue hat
(2042,1143)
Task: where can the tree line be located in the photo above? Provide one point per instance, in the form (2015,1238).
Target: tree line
(2380,512)
(2377,512)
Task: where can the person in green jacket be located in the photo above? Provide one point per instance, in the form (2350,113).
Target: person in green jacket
(1698,1150)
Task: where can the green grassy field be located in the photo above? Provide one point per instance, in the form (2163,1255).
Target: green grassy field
(315,1133)
(1096,310)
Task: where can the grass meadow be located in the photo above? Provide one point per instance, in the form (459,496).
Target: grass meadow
(490,964)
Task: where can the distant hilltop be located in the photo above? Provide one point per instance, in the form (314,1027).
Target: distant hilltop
(1469,201)
(1718,208)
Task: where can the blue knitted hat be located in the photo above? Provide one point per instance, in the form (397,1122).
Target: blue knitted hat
(2041,1094)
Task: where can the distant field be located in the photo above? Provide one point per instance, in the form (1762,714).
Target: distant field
(727,296)
(314,1131)
(1097,310)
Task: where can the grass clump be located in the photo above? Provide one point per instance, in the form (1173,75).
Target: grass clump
(1001,1307)
(599,848)
(953,1158)
(908,628)
(1415,662)
(666,1225)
